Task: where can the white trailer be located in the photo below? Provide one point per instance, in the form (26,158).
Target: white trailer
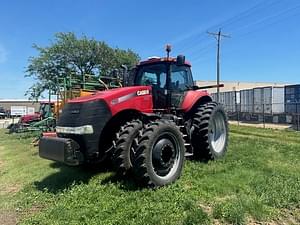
(18,110)
(269,100)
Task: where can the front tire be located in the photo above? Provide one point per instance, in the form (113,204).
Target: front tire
(126,145)
(160,156)
(209,131)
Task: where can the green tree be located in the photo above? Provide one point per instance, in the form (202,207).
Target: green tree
(68,55)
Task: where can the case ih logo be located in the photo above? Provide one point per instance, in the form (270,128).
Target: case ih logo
(129,96)
(142,92)
(123,98)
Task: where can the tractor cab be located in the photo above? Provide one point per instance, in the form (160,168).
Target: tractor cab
(169,77)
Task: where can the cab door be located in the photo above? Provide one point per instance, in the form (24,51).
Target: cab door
(155,76)
(181,81)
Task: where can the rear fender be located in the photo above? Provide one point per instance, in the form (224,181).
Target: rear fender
(193,98)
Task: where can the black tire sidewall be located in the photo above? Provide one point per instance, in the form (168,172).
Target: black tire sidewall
(128,144)
(164,129)
(124,149)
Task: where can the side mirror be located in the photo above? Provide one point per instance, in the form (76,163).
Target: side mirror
(180,60)
(125,75)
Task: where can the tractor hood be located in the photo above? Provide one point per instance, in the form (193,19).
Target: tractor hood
(114,93)
(137,98)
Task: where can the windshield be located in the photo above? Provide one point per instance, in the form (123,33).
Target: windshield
(154,75)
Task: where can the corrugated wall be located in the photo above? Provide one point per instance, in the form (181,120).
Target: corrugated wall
(7,104)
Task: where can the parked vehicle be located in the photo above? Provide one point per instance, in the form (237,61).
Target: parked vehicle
(147,127)
(3,113)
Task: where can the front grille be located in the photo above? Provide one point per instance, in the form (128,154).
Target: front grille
(95,113)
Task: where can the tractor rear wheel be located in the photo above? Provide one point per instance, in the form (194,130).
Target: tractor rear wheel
(159,158)
(126,144)
(209,135)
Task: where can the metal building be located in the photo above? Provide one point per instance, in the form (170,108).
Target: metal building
(7,103)
(292,99)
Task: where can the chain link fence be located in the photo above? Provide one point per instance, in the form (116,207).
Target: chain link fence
(275,113)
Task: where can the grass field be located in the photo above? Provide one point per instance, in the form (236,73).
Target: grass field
(258,182)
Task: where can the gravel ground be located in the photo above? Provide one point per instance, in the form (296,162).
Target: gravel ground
(5,122)
(261,125)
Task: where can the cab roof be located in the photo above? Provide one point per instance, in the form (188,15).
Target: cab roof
(159,59)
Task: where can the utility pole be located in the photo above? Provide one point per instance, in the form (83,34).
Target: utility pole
(218,36)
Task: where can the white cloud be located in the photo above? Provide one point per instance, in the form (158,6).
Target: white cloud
(3,54)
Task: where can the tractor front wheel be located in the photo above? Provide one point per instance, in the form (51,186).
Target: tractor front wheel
(126,144)
(160,155)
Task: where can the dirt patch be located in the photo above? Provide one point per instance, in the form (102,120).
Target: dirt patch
(287,217)
(206,208)
(267,223)
(34,209)
(8,217)
(209,211)
(261,125)
(1,161)
(27,213)
(10,189)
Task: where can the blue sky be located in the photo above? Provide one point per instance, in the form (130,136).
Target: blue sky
(264,43)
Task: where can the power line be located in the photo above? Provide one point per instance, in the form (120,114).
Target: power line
(218,37)
(199,54)
(265,21)
(249,12)
(190,41)
(236,18)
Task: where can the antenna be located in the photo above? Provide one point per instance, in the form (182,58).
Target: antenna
(168,49)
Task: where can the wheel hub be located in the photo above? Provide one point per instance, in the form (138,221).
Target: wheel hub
(218,132)
(164,155)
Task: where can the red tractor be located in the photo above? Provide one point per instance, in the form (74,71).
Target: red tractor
(147,127)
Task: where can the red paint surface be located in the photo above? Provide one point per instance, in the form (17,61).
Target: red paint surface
(140,103)
(155,60)
(31,117)
(49,134)
(191,98)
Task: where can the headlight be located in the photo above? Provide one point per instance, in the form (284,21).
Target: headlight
(86,129)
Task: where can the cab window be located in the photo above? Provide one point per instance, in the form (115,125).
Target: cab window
(154,75)
(180,78)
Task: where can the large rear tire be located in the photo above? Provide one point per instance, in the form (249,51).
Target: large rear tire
(160,156)
(209,135)
(126,145)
